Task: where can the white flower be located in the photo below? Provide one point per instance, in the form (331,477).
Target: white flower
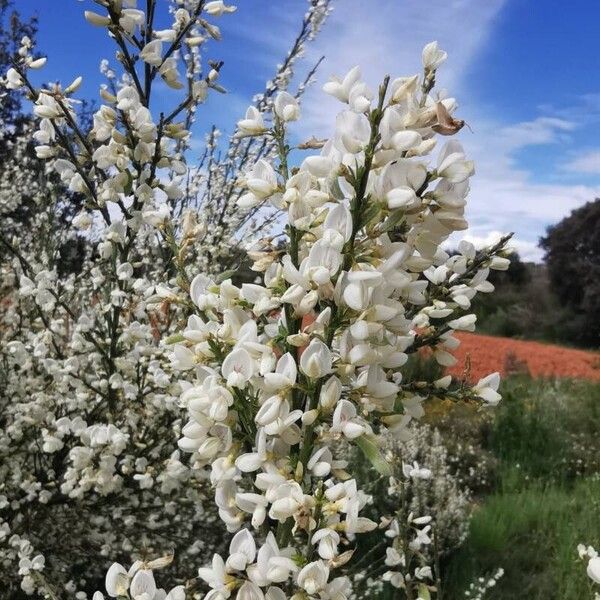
(168,71)
(238,367)
(272,566)
(330,393)
(96,19)
(152,53)
(401,197)
(177,593)
(313,577)
(415,471)
(593,569)
(83,220)
(318,166)
(254,504)
(13,79)
(242,551)
(316,360)
(216,8)
(340,88)
(262,180)
(143,586)
(345,420)
(116,581)
(252,124)
(286,500)
(395,578)
(433,57)
(285,373)
(130,19)
(287,107)
(199,292)
(464,323)
(487,387)
(500,263)
(452,164)
(393,557)
(328,541)
(215,575)
(250,591)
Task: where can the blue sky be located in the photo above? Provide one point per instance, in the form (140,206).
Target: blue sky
(526,74)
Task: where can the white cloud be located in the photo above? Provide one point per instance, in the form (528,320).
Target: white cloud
(528,251)
(585,163)
(504,196)
(387,37)
(542,130)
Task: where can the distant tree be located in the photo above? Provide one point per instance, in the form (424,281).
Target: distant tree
(572,250)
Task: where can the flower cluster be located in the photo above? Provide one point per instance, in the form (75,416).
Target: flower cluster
(277,373)
(424,512)
(442,496)
(411,535)
(478,590)
(138,582)
(90,419)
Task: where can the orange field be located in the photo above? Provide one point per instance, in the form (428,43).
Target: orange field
(488,354)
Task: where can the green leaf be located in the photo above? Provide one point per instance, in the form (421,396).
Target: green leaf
(370,214)
(174,339)
(226,275)
(371,451)
(393,220)
(424,592)
(128,187)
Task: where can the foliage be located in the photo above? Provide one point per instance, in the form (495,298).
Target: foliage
(12,31)
(548,430)
(573,257)
(543,468)
(524,306)
(533,534)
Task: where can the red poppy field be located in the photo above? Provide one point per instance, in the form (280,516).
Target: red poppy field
(487,354)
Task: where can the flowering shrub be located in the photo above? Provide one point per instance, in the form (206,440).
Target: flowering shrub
(478,589)
(273,374)
(90,419)
(270,395)
(442,496)
(430,513)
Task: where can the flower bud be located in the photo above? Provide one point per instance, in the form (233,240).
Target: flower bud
(96,19)
(38,64)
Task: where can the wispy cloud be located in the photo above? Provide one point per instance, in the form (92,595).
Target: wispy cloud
(526,250)
(387,37)
(505,196)
(588,162)
(542,130)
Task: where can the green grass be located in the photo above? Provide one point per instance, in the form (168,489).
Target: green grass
(546,431)
(540,498)
(545,439)
(533,535)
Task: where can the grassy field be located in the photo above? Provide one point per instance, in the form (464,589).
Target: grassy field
(543,445)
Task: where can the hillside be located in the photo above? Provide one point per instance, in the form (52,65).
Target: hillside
(488,353)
